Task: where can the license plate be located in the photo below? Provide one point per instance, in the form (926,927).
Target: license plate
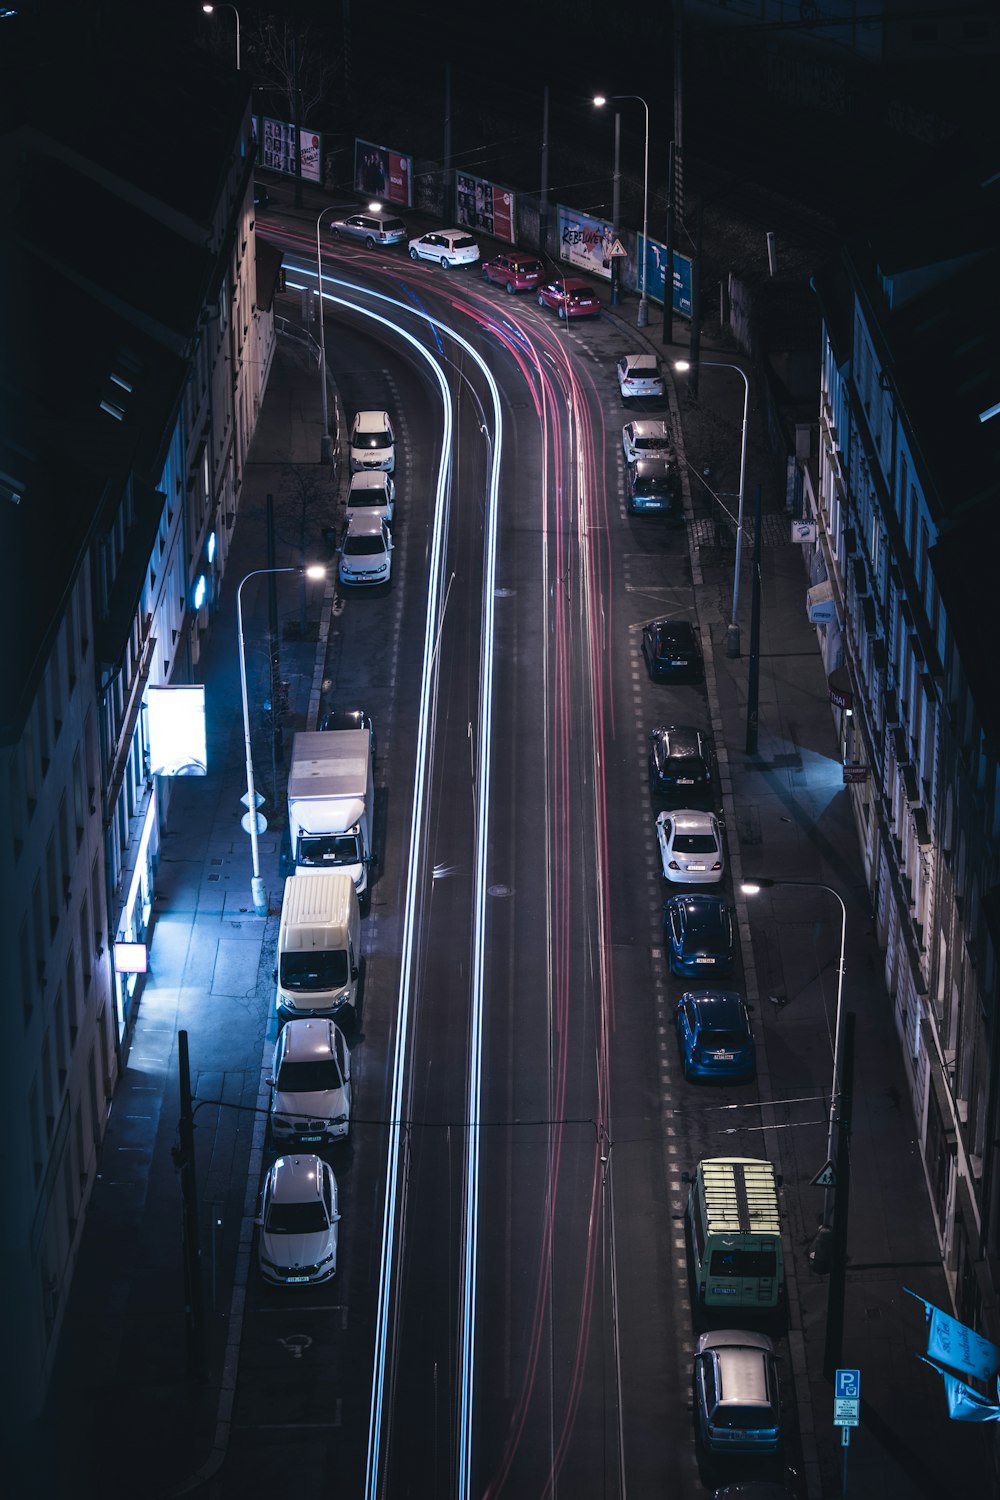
(704,960)
(696,867)
(308,1140)
(723,1056)
(685,781)
(290,1279)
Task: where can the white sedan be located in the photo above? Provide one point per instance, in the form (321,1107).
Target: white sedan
(639,375)
(690,846)
(449,247)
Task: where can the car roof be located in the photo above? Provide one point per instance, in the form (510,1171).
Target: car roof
(733,1338)
(722,1009)
(681,738)
(295,1179)
(308,1037)
(678,629)
(573,283)
(648,427)
(365,523)
(693,820)
(369,479)
(371,421)
(640,361)
(653,468)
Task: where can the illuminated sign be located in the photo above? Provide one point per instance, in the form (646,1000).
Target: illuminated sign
(131,958)
(176,720)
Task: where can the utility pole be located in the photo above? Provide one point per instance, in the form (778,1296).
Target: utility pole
(194,1308)
(835,1297)
(448,184)
(543,210)
(668,267)
(616,205)
(695,309)
(273,651)
(753,676)
(297,128)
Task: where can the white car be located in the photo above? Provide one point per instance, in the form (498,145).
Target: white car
(310,1084)
(646,439)
(639,375)
(373,442)
(372,493)
(449,247)
(690,846)
(298,1222)
(366,552)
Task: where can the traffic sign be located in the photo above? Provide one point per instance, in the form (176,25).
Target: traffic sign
(246,822)
(617,249)
(258,798)
(847,1385)
(846,1412)
(826,1177)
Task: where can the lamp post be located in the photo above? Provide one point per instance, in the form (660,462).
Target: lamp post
(257,890)
(600,100)
(751,888)
(324,453)
(733,628)
(208,9)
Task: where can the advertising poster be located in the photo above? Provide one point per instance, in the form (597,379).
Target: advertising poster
(656,260)
(310,149)
(382,175)
(585,242)
(485,205)
(277,149)
(176,723)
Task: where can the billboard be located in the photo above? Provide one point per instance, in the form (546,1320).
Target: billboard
(383,174)
(277,148)
(176,723)
(585,242)
(485,205)
(310,154)
(656,260)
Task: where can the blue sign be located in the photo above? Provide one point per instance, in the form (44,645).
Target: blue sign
(656,265)
(848,1385)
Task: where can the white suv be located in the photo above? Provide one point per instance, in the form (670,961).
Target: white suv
(311,1084)
(373,442)
(366,553)
(298,1222)
(449,247)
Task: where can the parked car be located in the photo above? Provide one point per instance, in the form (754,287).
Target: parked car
(690,846)
(372,491)
(652,485)
(514,270)
(350,718)
(261,196)
(372,229)
(671,651)
(753,1489)
(570,297)
(449,247)
(298,1222)
(639,375)
(647,438)
(373,442)
(366,552)
(713,1029)
(680,763)
(736,1398)
(700,934)
(310,1084)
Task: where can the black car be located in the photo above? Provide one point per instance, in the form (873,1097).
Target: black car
(261,196)
(671,651)
(700,933)
(680,763)
(652,484)
(350,718)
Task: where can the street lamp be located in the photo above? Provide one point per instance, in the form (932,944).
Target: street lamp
(257,890)
(600,100)
(208,9)
(324,453)
(733,629)
(752,888)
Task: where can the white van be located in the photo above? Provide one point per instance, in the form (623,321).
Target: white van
(319,946)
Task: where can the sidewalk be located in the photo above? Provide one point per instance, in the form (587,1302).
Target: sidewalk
(789,818)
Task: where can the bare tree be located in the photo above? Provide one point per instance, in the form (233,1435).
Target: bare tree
(279,47)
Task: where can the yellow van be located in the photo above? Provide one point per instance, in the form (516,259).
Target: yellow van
(734,1227)
(319,946)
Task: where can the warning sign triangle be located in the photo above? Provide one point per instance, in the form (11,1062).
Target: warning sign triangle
(617,248)
(825,1177)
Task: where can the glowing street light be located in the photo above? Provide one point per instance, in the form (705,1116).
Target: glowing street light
(208,9)
(600,100)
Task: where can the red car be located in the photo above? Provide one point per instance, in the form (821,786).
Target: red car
(516,272)
(570,297)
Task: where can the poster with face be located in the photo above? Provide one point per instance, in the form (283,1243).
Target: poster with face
(381,175)
(585,242)
(485,205)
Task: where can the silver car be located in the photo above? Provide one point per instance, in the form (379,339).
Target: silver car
(310,1084)
(736,1398)
(298,1222)
(372,229)
(646,438)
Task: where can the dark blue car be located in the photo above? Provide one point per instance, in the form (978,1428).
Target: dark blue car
(700,934)
(713,1027)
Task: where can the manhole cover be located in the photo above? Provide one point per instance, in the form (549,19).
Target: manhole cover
(500,890)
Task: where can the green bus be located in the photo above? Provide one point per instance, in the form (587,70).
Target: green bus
(734,1226)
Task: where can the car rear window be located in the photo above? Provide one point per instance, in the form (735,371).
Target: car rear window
(527,267)
(694,843)
(393,226)
(463,242)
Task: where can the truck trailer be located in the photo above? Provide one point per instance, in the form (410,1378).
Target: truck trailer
(331,798)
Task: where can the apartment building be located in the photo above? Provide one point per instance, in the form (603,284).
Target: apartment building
(138,340)
(906,494)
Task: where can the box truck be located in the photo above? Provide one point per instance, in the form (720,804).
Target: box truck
(331,798)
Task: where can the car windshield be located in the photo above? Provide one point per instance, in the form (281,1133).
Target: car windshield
(296,1218)
(372,440)
(324,849)
(315,970)
(358,498)
(462,242)
(311,1077)
(728,1040)
(694,843)
(363,546)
